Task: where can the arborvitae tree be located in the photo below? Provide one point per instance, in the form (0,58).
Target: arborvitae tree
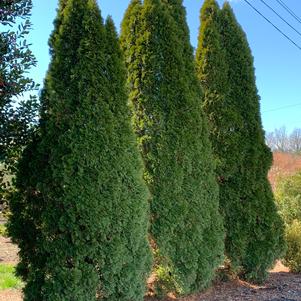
(90,229)
(186,226)
(212,235)
(26,203)
(266,242)
(128,257)
(254,237)
(225,122)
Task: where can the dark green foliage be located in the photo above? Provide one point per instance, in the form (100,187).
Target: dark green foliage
(25,206)
(82,176)
(212,71)
(173,138)
(254,237)
(266,242)
(17,115)
(225,121)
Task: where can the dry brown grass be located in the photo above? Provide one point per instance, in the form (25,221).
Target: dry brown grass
(284,164)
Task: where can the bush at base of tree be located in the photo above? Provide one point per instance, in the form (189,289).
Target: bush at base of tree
(288,196)
(292,258)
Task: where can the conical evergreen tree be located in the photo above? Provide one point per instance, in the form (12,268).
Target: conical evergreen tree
(225,69)
(93,216)
(212,235)
(266,242)
(225,121)
(25,223)
(173,138)
(129,246)
(178,12)
(26,204)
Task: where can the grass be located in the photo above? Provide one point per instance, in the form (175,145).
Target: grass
(8,280)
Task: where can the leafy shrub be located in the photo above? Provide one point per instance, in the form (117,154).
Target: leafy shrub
(166,282)
(166,277)
(293,238)
(288,196)
(3,230)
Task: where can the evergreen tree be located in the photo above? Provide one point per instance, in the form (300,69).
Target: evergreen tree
(212,235)
(224,123)
(266,241)
(90,229)
(254,231)
(173,138)
(26,203)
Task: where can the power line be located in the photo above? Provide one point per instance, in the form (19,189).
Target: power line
(283,108)
(287,37)
(291,26)
(289,10)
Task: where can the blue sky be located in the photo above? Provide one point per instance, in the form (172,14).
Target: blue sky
(277,61)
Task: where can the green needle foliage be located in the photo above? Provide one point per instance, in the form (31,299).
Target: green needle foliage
(89,231)
(254,237)
(172,133)
(266,230)
(225,122)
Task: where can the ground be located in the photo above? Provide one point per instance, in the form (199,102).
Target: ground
(8,255)
(281,285)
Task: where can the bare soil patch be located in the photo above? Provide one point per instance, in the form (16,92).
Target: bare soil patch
(280,286)
(10,295)
(8,251)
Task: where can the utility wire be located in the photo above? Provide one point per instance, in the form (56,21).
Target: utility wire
(258,12)
(291,26)
(289,10)
(283,108)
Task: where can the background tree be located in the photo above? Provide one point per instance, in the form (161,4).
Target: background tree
(270,140)
(280,140)
(254,237)
(173,138)
(295,141)
(90,229)
(17,115)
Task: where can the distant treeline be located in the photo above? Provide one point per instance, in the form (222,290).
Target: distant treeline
(280,140)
